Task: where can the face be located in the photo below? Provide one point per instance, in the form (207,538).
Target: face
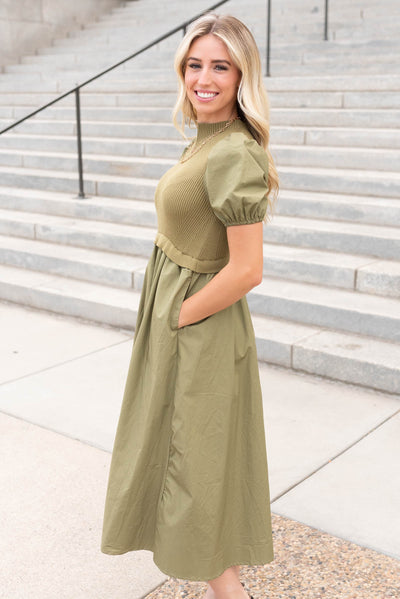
(211,80)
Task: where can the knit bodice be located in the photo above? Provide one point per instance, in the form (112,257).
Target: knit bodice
(224,183)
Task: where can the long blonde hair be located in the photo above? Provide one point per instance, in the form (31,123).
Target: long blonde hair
(252,98)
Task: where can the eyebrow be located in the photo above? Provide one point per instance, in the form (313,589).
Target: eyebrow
(213,61)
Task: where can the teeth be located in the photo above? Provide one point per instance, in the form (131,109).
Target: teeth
(206,94)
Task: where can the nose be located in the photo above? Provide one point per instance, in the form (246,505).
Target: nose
(204,77)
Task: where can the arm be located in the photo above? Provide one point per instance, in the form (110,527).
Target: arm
(242,273)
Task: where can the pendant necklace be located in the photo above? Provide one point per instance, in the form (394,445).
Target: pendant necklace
(186,157)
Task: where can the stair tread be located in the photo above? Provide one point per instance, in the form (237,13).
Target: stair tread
(354,174)
(330,297)
(73,175)
(309,256)
(68,287)
(338,343)
(92,156)
(331,226)
(342,172)
(77,223)
(40,136)
(308,148)
(341,198)
(72,253)
(277,221)
(384,353)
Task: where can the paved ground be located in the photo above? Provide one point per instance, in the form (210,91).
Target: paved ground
(333,459)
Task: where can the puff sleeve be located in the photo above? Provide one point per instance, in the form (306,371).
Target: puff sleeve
(236,180)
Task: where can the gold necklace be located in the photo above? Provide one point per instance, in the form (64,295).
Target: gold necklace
(186,157)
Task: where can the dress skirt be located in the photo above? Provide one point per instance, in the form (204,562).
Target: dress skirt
(188,478)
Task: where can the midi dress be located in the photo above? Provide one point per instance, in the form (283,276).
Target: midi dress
(188,478)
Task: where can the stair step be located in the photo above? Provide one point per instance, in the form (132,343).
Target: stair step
(357,239)
(330,57)
(374,183)
(353,238)
(331,308)
(95,183)
(361,273)
(291,203)
(340,207)
(289,116)
(78,263)
(131,133)
(124,239)
(343,117)
(295,116)
(333,83)
(134,166)
(97,128)
(341,356)
(346,357)
(91,301)
(110,83)
(123,146)
(158,114)
(336,157)
(123,153)
(278,99)
(101,208)
(347,271)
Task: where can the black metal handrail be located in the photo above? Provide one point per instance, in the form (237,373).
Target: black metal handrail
(76,90)
(268,45)
(326,21)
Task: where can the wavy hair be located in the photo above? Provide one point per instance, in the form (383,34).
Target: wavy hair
(252,99)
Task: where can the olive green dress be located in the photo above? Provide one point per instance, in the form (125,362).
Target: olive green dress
(188,478)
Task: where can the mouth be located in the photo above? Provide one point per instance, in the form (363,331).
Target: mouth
(204,95)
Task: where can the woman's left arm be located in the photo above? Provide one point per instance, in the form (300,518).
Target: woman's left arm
(243,272)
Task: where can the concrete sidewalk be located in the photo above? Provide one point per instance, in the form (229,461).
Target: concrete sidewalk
(332,450)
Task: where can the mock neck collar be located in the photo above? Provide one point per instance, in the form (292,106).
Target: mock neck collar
(206,129)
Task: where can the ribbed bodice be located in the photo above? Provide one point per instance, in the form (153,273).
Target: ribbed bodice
(189,231)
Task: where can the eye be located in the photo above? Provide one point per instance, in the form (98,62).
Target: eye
(221,67)
(193,65)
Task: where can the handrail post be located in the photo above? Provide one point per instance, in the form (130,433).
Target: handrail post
(268,36)
(326,21)
(81,193)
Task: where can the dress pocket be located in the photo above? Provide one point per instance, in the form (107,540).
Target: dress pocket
(185,280)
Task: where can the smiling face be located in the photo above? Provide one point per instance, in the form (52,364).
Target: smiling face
(211,80)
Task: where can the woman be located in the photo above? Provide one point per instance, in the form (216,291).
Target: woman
(188,477)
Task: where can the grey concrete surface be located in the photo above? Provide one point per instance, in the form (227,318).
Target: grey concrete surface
(52,499)
(332,454)
(35,341)
(309,421)
(357,495)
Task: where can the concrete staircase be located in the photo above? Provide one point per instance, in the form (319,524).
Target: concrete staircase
(330,300)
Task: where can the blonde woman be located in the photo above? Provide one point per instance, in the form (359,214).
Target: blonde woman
(188,477)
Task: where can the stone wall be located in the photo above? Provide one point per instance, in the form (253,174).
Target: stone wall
(26,25)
